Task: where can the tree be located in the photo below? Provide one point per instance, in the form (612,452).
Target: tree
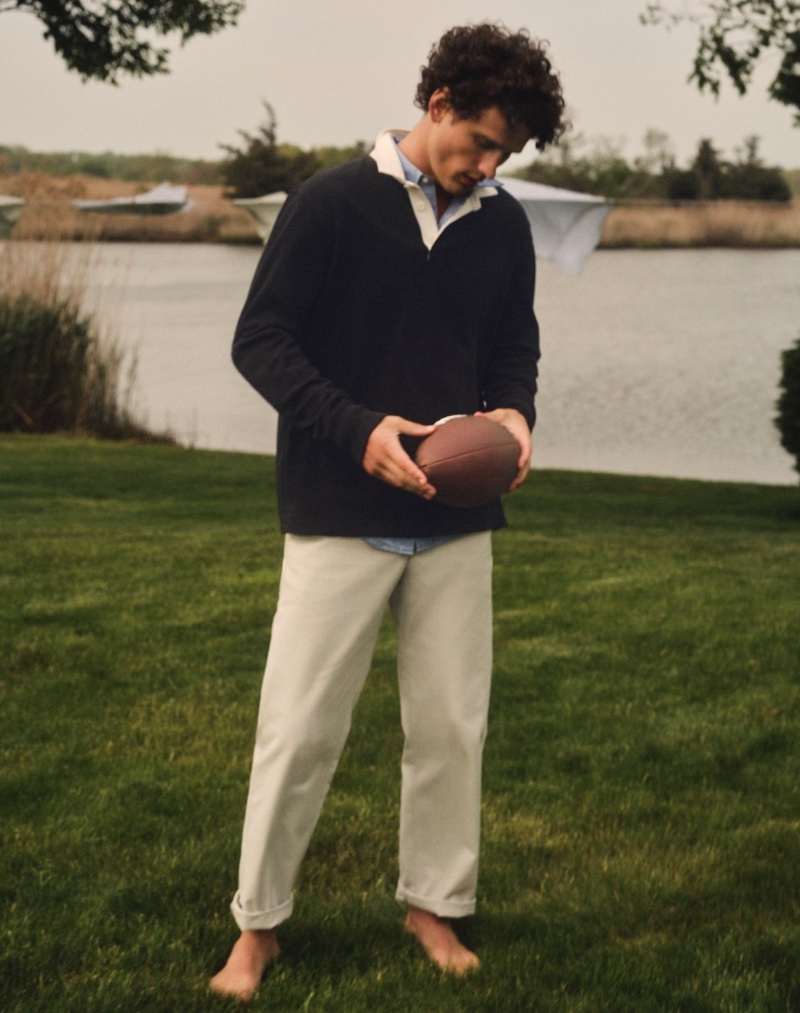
(708,170)
(750,179)
(735,36)
(658,153)
(788,417)
(599,167)
(330,156)
(711,178)
(105,40)
(263,166)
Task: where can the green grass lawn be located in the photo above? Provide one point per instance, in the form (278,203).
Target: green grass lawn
(642,799)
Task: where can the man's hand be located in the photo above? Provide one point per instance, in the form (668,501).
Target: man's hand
(516,423)
(385,458)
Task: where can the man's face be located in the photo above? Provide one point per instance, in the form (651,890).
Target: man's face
(462,152)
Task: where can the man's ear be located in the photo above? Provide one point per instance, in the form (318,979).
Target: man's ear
(439,104)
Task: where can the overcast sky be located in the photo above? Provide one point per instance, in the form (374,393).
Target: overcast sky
(340,72)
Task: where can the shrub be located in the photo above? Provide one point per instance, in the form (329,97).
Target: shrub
(788,405)
(54,377)
(57,373)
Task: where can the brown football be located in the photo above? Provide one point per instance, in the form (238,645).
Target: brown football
(469,460)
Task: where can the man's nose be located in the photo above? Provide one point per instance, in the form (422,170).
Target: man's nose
(489,164)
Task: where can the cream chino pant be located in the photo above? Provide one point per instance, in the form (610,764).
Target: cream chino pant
(333,595)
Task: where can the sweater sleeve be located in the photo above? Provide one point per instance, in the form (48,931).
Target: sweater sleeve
(268,346)
(510,375)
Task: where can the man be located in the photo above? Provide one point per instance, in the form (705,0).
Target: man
(394,290)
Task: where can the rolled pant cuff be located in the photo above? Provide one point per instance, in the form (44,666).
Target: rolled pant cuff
(252,920)
(440,908)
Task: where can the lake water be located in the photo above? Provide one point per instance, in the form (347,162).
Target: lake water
(654,362)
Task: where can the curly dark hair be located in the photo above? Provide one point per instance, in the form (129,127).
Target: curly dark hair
(484,66)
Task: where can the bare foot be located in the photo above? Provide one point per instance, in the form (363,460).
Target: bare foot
(436,936)
(251,955)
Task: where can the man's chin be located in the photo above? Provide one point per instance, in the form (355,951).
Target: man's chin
(461,185)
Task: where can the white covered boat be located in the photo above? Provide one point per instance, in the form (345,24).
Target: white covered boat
(163,200)
(264,209)
(566,224)
(10,210)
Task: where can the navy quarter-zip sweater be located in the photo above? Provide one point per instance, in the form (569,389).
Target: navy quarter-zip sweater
(350,317)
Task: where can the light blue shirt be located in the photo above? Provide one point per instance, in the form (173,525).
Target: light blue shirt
(408,546)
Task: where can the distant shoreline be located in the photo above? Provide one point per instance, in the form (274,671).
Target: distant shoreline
(49,214)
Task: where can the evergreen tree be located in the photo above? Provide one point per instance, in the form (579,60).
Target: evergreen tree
(263,166)
(708,171)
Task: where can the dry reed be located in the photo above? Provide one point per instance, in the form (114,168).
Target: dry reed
(704,224)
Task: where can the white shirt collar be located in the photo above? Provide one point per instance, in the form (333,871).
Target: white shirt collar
(387,157)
